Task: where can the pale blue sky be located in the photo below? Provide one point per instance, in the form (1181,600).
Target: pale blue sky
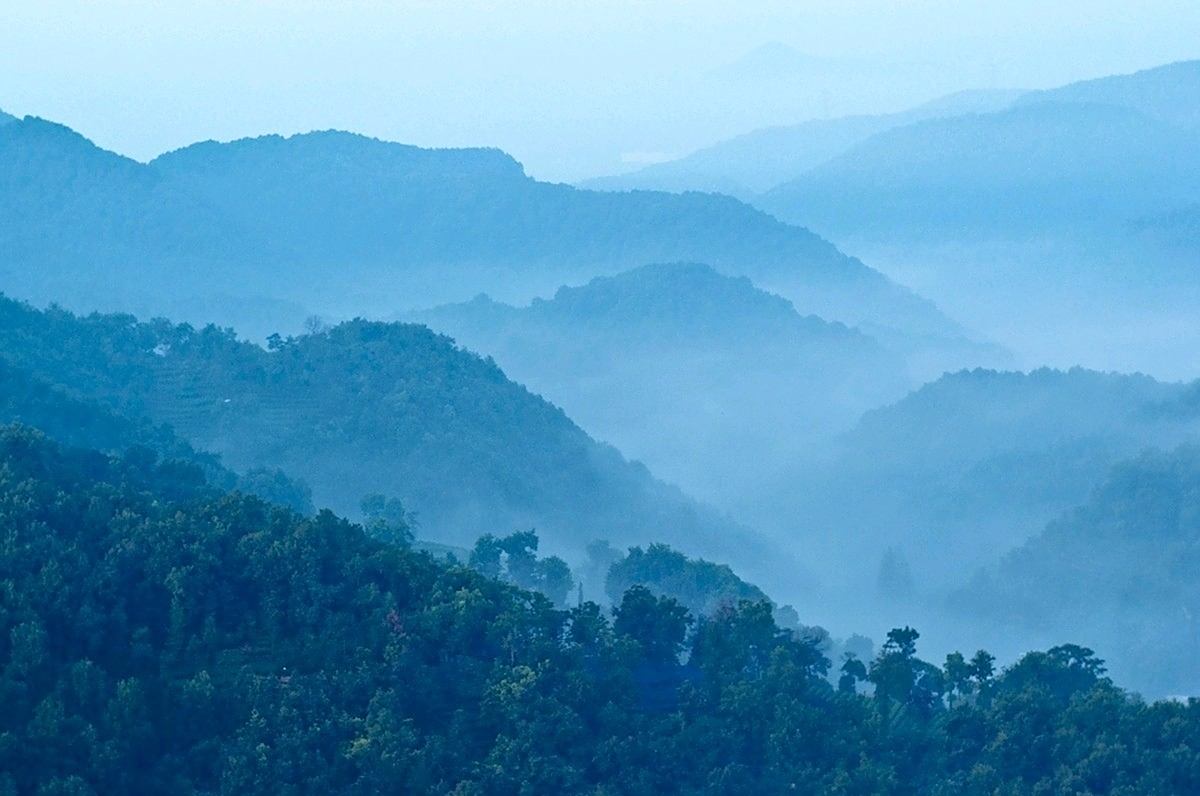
(572,88)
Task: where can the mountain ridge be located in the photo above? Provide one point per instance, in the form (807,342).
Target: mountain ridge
(1170,92)
(769,156)
(710,379)
(367,408)
(402,227)
(948,173)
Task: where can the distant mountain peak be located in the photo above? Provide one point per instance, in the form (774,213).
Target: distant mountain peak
(345,224)
(669,277)
(682,298)
(756,161)
(35,142)
(336,147)
(35,127)
(674,298)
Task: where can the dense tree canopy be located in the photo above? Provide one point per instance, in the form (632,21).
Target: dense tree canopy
(160,636)
(700,586)
(80,422)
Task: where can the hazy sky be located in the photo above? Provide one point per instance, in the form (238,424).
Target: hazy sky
(572,88)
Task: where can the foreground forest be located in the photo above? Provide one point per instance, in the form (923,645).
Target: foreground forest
(161,636)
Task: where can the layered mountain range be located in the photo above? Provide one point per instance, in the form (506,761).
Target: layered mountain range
(258,232)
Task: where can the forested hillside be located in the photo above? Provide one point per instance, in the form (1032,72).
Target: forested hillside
(367,408)
(29,401)
(79,223)
(160,637)
(1117,573)
(712,382)
(358,436)
(967,467)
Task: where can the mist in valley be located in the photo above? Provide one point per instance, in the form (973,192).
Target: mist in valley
(721,369)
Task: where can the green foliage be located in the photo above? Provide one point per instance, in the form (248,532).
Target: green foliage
(658,625)
(514,559)
(853,672)
(362,408)
(387,519)
(901,678)
(160,636)
(274,486)
(700,586)
(80,422)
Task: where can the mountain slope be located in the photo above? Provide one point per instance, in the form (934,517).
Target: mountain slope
(757,161)
(1118,572)
(161,637)
(1178,229)
(404,226)
(1169,93)
(344,225)
(79,423)
(1037,167)
(72,215)
(973,464)
(1032,221)
(369,408)
(711,381)
(1090,155)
